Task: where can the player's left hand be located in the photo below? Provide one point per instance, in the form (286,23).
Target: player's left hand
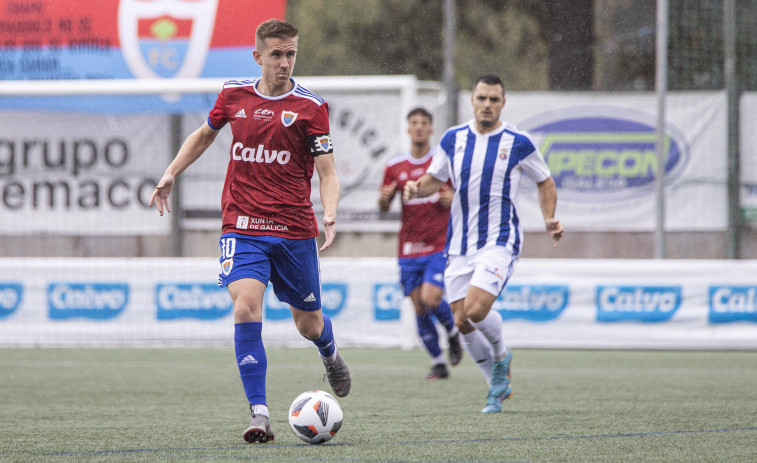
(329,231)
(410,191)
(554,228)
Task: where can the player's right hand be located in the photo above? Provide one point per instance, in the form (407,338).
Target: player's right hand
(329,230)
(386,194)
(160,195)
(554,228)
(410,190)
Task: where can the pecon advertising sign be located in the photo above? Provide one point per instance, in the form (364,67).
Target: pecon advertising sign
(600,149)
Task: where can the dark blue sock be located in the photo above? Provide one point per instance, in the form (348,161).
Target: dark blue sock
(428,334)
(251,359)
(443,313)
(325,342)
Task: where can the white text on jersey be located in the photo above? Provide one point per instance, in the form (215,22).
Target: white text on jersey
(239,152)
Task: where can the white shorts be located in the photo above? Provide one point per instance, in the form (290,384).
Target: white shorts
(488,269)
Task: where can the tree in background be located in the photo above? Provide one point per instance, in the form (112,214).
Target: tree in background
(625,45)
(343,37)
(532,44)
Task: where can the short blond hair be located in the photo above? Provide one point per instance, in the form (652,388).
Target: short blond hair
(274,29)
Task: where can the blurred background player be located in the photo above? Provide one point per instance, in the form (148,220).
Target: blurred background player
(485,159)
(421,243)
(280,134)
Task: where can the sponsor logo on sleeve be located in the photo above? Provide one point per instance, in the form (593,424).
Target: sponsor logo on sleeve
(648,304)
(11,295)
(539,303)
(191,300)
(387,301)
(733,304)
(95,301)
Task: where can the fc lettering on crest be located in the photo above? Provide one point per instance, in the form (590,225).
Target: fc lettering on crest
(178,40)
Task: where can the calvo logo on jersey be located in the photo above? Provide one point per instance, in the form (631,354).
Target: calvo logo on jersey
(10,298)
(637,303)
(96,301)
(604,154)
(288,118)
(167,38)
(239,152)
(192,300)
(539,303)
(733,304)
(333,301)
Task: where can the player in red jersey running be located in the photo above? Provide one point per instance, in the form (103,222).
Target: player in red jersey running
(280,136)
(421,243)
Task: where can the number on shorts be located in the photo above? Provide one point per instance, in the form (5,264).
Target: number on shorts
(228,247)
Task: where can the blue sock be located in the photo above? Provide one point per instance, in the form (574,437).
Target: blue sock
(325,342)
(251,359)
(428,334)
(443,313)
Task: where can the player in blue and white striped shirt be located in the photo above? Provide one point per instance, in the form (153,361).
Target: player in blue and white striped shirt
(485,160)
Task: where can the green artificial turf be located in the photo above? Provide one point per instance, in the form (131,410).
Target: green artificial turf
(185,405)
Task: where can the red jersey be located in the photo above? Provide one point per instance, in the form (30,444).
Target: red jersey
(275,140)
(424,220)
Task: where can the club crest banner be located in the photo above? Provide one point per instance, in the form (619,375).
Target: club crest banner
(170,38)
(129,39)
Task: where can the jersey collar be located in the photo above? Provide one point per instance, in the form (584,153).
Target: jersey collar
(283,95)
(500,129)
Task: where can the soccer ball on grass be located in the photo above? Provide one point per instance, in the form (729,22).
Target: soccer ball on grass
(315,416)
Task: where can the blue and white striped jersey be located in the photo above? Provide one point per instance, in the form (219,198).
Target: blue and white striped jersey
(485,171)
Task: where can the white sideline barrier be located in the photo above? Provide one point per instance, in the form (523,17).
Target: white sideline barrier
(647,304)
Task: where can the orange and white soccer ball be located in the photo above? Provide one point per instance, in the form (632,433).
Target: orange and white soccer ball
(315,416)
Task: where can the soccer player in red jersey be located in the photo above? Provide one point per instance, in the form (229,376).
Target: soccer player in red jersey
(280,135)
(421,243)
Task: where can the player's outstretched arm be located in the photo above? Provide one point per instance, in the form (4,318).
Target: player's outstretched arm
(192,148)
(548,203)
(424,186)
(330,190)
